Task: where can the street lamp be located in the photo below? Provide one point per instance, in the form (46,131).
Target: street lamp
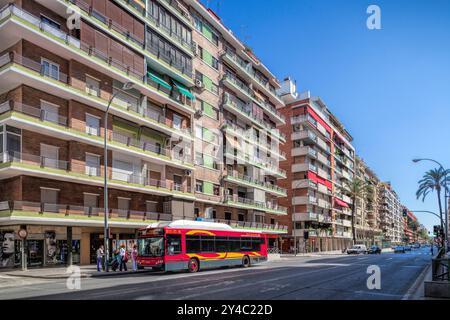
(127,86)
(446,196)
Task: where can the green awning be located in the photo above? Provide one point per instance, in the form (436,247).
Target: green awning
(157,79)
(184,90)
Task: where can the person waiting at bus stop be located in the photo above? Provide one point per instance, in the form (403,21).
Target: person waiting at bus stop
(123,258)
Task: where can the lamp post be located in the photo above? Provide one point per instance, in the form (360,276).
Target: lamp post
(127,86)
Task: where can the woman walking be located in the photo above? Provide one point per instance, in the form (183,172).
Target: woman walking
(134,254)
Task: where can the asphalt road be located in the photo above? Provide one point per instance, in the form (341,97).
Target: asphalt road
(318,277)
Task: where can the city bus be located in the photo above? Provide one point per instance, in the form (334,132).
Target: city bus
(197,245)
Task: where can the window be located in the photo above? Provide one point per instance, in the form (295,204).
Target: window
(92,125)
(91,200)
(92,167)
(199,186)
(177,182)
(50,69)
(177,122)
(227,215)
(49,199)
(92,86)
(123,206)
(151,206)
(50,22)
(49,111)
(173,244)
(193,244)
(49,156)
(209,110)
(13,141)
(216,190)
(207,244)
(215,63)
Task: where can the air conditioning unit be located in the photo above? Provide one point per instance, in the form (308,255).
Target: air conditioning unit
(199,84)
(198,113)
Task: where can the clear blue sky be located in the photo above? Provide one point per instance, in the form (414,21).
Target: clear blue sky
(390,87)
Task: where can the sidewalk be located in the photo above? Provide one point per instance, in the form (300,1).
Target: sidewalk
(89,271)
(314,254)
(417,290)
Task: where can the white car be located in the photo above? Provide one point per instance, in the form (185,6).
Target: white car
(357,249)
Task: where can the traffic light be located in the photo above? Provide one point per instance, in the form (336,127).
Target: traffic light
(306,235)
(405,212)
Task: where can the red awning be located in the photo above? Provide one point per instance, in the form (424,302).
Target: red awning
(341,203)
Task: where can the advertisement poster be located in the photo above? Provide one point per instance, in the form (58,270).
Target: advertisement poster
(50,242)
(7,249)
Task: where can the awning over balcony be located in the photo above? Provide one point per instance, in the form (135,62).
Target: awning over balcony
(184,90)
(341,203)
(158,80)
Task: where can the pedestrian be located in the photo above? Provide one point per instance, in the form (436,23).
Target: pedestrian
(134,254)
(100,256)
(123,258)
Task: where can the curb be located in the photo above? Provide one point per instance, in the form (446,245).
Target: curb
(83,275)
(409,295)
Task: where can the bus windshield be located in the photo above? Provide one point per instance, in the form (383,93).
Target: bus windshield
(151,247)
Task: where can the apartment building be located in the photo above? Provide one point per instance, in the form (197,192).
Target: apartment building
(174,94)
(391,215)
(319,157)
(237,105)
(368,218)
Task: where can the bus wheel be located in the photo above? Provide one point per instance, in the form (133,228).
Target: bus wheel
(193,265)
(245,262)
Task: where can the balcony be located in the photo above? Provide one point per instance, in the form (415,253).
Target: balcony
(156,24)
(304,200)
(247,71)
(305,216)
(83,214)
(71,48)
(244,203)
(52,124)
(248,136)
(250,182)
(156,54)
(304,150)
(305,183)
(244,158)
(16,163)
(235,106)
(246,93)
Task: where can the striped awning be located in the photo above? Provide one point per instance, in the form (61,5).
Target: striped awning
(158,80)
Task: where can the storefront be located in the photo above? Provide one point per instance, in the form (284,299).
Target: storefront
(47,246)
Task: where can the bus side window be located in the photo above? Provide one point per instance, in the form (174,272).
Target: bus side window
(173,244)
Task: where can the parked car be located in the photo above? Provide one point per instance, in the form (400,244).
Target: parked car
(374,250)
(407,248)
(399,249)
(357,249)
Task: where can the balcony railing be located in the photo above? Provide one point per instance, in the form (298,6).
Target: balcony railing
(81,210)
(248,134)
(254,160)
(138,75)
(259,205)
(246,90)
(247,67)
(86,171)
(112,25)
(247,110)
(117,137)
(255,182)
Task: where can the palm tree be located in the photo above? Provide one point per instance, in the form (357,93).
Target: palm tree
(433,180)
(355,189)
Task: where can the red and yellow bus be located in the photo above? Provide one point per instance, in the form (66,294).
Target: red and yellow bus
(195,245)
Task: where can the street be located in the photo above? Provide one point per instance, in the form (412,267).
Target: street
(307,277)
